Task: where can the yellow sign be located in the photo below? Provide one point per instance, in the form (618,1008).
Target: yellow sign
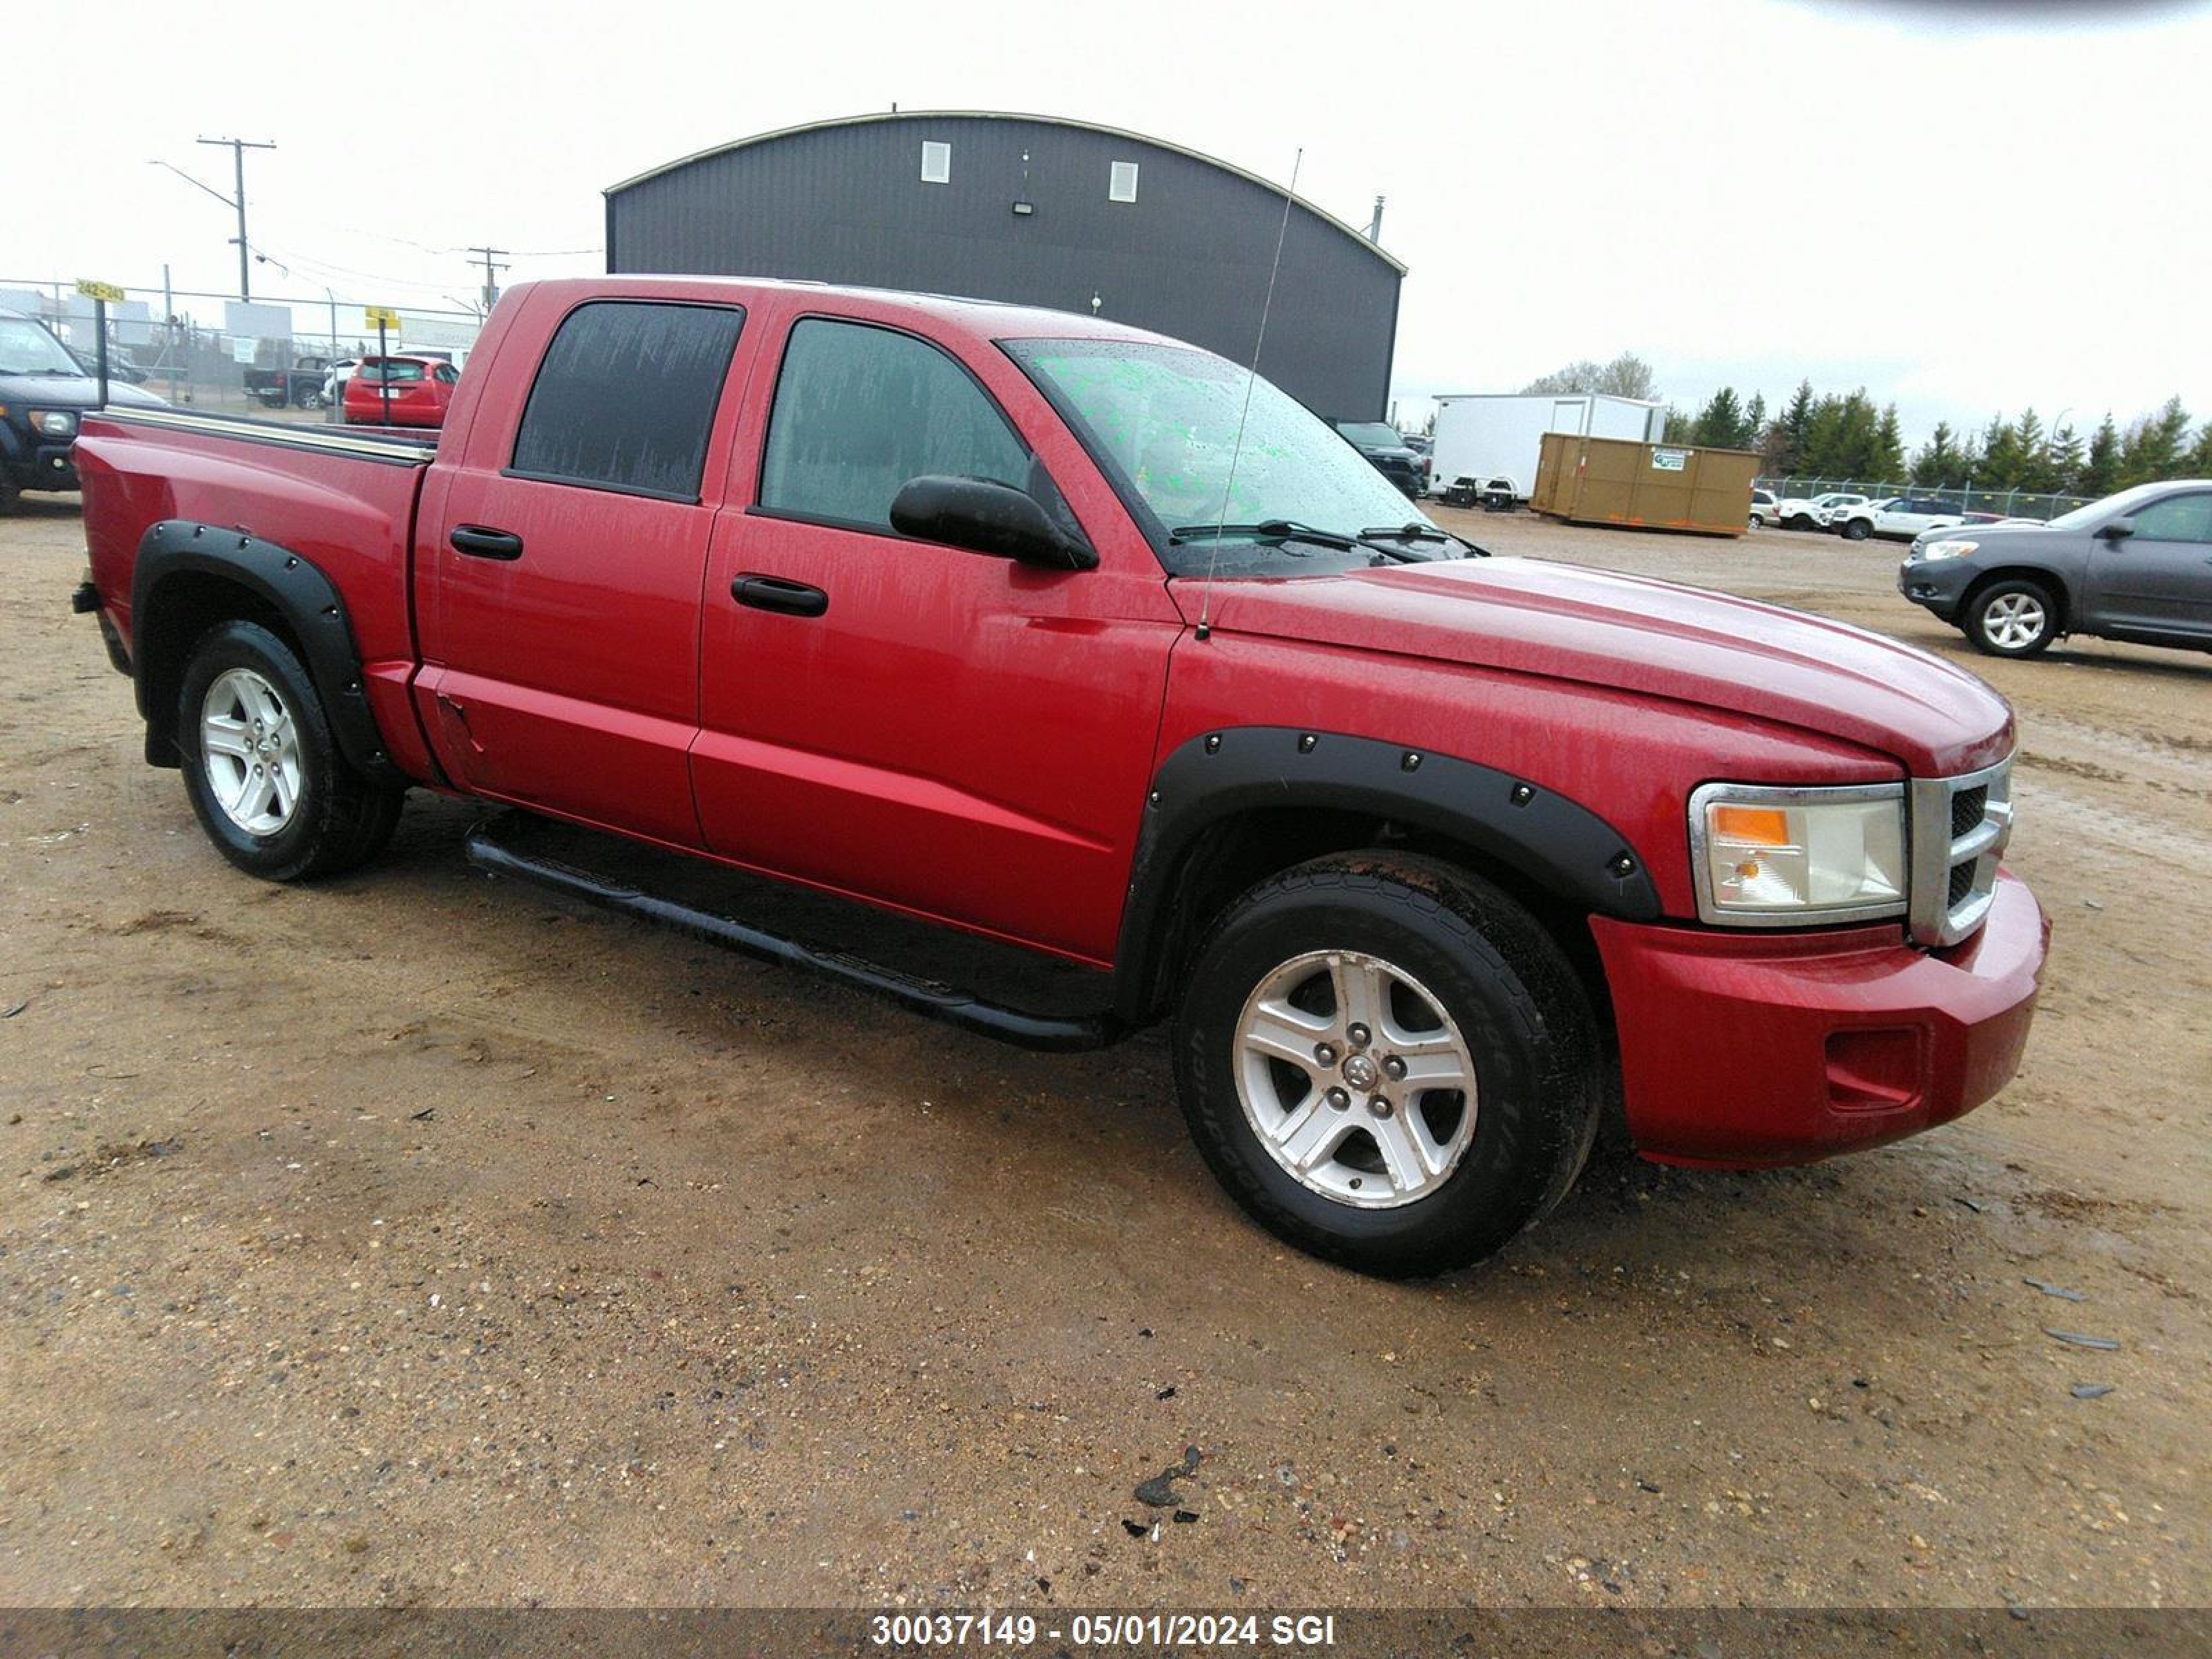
(382,316)
(107,291)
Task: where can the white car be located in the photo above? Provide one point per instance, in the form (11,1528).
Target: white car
(1765,509)
(1900,518)
(334,382)
(1800,513)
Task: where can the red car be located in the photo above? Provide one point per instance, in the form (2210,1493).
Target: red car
(1049,709)
(400,392)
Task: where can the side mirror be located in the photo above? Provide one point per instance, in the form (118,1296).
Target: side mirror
(2117,530)
(987,518)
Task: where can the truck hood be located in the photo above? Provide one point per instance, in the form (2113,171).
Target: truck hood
(1631,633)
(72,392)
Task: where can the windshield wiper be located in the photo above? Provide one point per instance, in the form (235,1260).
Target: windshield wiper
(1270,529)
(1418,532)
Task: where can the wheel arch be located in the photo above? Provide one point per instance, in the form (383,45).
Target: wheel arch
(1232,806)
(2054,585)
(189,577)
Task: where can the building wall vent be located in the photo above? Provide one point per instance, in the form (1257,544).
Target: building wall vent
(1122,187)
(936,162)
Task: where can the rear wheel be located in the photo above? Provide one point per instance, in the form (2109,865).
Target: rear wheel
(2015,617)
(264,774)
(1758,521)
(1388,1063)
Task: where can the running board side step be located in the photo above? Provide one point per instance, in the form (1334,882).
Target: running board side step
(603,870)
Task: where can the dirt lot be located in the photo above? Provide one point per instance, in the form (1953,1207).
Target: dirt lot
(415,1238)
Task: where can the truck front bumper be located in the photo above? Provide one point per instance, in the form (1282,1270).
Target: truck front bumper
(1739,1050)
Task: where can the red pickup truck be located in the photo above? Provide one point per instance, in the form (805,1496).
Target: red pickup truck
(1058,679)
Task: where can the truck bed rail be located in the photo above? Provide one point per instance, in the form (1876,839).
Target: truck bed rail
(393,448)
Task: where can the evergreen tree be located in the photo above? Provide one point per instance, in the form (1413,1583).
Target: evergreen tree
(1889,446)
(2065,450)
(1795,423)
(2002,460)
(2153,448)
(1719,423)
(1754,422)
(1937,466)
(2200,458)
(2100,468)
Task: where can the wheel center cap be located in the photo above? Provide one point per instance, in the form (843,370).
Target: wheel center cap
(1361,1073)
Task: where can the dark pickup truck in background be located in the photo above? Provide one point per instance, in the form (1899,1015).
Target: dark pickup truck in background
(43,393)
(955,649)
(300,387)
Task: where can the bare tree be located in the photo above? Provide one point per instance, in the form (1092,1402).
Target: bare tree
(1626,376)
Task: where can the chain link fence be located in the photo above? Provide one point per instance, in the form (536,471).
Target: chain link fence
(2005,503)
(277,357)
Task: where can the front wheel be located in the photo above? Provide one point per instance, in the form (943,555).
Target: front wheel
(2016,617)
(265,775)
(1857,530)
(1387,1063)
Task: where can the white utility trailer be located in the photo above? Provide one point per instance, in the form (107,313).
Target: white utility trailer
(1487,443)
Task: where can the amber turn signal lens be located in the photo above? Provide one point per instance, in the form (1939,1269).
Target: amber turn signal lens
(1763,826)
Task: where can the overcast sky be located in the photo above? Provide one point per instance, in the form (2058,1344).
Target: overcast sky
(1965,207)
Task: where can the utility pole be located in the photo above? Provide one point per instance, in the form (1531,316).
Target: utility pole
(237,149)
(491,281)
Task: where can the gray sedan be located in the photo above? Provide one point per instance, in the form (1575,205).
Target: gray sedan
(2136,566)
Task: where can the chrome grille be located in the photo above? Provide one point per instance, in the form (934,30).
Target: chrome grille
(1958,829)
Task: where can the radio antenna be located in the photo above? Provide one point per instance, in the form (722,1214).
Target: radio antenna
(1237,449)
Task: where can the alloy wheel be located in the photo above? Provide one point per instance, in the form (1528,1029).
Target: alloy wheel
(2013,621)
(1356,1080)
(250,752)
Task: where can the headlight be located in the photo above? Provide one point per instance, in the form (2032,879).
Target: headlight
(1769,858)
(53,422)
(1947,550)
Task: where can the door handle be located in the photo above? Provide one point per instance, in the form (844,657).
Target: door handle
(777,593)
(478,542)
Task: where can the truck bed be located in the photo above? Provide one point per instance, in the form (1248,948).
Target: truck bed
(344,498)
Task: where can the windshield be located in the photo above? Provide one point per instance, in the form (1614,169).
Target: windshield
(1162,420)
(1370,434)
(28,349)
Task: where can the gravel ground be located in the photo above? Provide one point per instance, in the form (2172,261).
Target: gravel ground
(416,1239)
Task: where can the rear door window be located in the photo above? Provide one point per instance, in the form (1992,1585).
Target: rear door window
(860,410)
(625,399)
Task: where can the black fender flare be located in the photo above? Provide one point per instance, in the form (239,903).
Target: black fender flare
(1559,844)
(287,583)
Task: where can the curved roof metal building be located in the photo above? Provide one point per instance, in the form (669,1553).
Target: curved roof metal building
(1039,211)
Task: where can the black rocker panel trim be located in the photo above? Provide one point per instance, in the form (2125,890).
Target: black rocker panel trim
(1557,843)
(299,592)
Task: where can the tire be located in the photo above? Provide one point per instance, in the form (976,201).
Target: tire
(1758,521)
(1797,521)
(1857,530)
(317,815)
(11,497)
(2013,617)
(311,399)
(1470,982)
